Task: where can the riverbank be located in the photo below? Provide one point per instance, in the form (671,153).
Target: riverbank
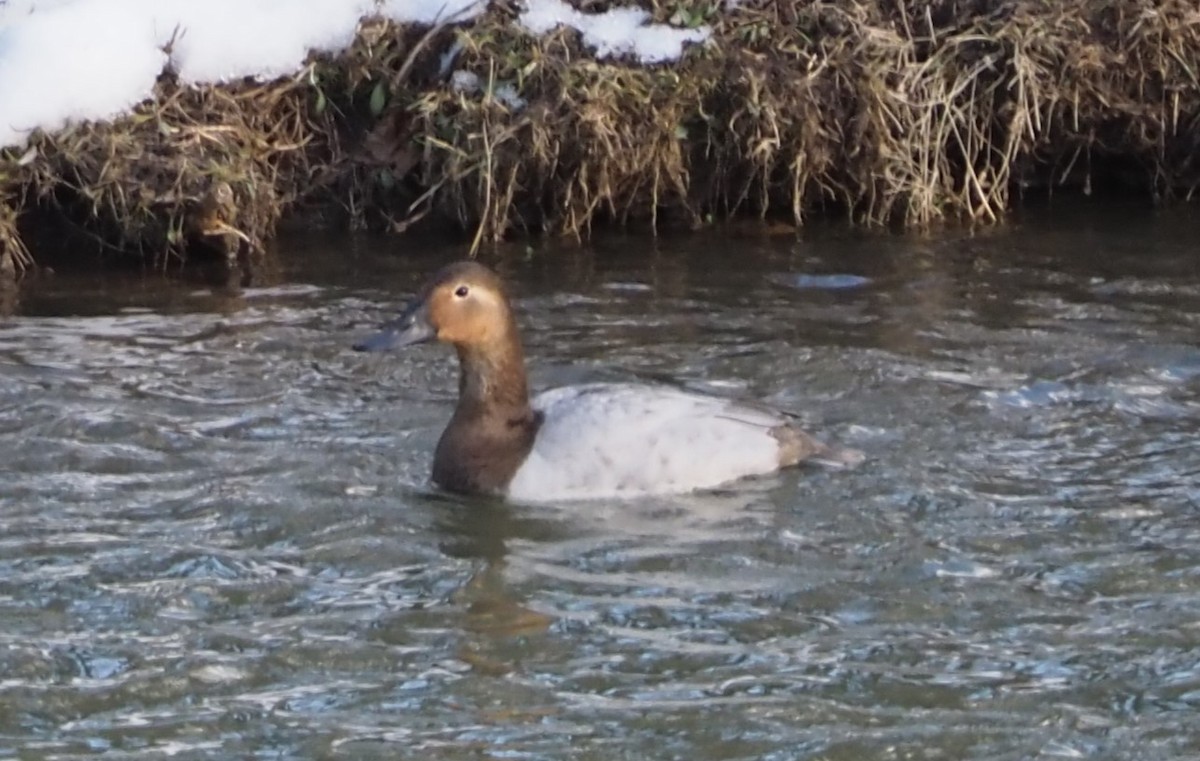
(891,113)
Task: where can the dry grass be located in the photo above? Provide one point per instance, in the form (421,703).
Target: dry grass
(891,111)
(140,183)
(14,257)
(913,112)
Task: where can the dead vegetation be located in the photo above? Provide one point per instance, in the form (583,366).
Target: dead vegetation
(890,111)
(14,257)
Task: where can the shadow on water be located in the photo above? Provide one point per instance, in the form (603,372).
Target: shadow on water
(217,538)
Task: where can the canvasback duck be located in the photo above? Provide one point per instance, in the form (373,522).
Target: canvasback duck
(596,440)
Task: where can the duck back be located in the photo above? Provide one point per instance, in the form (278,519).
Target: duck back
(620,440)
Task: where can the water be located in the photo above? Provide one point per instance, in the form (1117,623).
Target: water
(217,540)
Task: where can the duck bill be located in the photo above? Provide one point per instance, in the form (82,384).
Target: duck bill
(410,328)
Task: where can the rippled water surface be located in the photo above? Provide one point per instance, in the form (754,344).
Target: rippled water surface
(217,539)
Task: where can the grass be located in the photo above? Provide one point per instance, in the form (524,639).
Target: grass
(892,112)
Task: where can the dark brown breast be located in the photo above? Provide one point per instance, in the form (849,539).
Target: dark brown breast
(479,452)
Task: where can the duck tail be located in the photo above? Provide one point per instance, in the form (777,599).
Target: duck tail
(796,446)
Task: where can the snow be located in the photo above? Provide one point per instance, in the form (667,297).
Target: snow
(469,82)
(63,61)
(48,69)
(210,47)
(69,60)
(617,31)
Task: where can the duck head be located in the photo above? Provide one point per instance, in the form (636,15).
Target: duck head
(464,304)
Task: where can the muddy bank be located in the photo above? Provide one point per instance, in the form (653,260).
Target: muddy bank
(888,112)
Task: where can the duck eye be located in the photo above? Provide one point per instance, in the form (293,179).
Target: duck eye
(462,291)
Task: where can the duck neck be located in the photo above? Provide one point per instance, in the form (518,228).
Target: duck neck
(492,379)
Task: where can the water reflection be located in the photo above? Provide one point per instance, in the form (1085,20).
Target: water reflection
(217,537)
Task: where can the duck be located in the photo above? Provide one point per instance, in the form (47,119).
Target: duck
(598,440)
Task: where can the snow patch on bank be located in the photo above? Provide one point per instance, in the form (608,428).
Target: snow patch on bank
(63,61)
(618,31)
(69,60)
